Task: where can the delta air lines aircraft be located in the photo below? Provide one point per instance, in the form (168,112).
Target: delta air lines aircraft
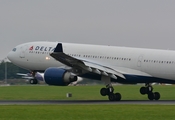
(63,63)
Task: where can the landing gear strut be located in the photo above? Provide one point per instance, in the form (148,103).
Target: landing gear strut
(109,90)
(148,89)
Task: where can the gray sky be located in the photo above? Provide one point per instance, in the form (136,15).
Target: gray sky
(134,23)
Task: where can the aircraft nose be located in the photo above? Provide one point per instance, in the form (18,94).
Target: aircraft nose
(11,55)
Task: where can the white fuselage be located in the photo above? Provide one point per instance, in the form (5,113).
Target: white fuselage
(157,63)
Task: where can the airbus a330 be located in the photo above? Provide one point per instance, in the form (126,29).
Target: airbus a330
(63,63)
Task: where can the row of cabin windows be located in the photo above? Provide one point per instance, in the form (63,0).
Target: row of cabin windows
(100,57)
(87,56)
(158,61)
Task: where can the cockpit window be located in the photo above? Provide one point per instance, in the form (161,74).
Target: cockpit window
(14,49)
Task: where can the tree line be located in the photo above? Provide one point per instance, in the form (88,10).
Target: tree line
(11,70)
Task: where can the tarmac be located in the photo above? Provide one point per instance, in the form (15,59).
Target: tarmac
(84,102)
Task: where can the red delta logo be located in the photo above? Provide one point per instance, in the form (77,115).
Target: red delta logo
(31,48)
(42,48)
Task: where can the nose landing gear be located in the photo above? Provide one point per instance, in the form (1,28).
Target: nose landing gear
(33,80)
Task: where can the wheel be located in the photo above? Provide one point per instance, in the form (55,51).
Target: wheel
(143,90)
(112,97)
(33,81)
(150,96)
(118,96)
(104,91)
(156,95)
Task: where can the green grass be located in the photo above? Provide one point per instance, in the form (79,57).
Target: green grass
(129,92)
(87,112)
(83,112)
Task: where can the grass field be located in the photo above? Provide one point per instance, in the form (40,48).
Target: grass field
(87,112)
(129,92)
(83,112)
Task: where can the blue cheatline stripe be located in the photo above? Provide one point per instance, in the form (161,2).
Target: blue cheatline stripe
(91,76)
(59,48)
(130,79)
(146,79)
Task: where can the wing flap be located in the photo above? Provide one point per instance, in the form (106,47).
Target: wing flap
(107,71)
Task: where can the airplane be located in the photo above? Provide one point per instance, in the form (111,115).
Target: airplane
(62,63)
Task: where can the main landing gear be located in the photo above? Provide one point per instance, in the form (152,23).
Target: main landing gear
(148,89)
(109,90)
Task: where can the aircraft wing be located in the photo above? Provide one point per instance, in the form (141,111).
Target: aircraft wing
(93,66)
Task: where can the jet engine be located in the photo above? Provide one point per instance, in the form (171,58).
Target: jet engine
(58,76)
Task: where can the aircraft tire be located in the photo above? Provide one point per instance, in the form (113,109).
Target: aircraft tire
(33,81)
(143,90)
(112,97)
(118,96)
(156,95)
(104,91)
(151,96)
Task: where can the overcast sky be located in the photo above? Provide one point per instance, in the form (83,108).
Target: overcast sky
(133,23)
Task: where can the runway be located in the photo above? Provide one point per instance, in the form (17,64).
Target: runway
(84,102)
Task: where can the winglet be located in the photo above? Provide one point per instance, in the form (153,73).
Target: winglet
(59,48)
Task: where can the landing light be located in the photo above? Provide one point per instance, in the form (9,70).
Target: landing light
(47,58)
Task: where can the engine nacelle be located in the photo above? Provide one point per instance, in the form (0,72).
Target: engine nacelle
(58,76)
